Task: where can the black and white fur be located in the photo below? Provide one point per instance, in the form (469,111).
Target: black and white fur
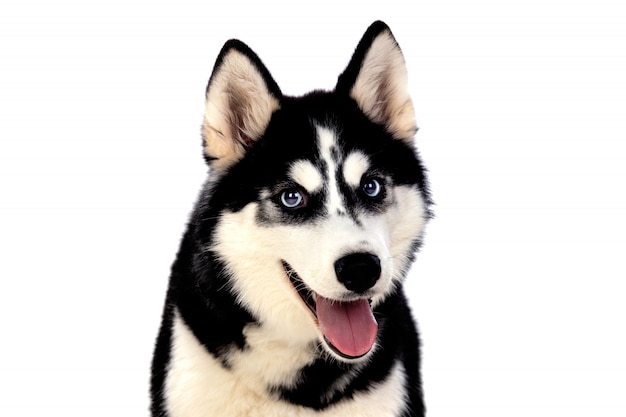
(239,336)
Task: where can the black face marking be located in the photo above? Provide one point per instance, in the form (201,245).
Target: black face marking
(323,167)
(336,154)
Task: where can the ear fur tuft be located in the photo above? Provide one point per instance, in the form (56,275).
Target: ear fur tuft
(240,98)
(376,78)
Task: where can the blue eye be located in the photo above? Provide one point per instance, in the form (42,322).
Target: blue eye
(292,199)
(372,187)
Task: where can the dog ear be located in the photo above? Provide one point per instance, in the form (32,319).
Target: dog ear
(240,99)
(376,78)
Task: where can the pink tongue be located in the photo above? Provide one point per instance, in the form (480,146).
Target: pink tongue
(350,327)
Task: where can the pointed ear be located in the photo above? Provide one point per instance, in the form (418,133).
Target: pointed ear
(240,99)
(376,78)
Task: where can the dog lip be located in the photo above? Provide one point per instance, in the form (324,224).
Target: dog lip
(306,294)
(340,353)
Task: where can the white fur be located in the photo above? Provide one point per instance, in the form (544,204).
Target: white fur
(254,251)
(355,165)
(406,219)
(199,386)
(307,175)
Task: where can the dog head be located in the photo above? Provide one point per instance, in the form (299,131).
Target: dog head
(321,200)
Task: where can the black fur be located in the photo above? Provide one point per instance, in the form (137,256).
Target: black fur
(197,276)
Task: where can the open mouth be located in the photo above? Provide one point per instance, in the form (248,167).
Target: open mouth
(349,327)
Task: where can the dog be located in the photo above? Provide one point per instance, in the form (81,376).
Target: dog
(286,296)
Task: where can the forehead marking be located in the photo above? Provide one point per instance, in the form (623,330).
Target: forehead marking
(307,175)
(330,154)
(355,165)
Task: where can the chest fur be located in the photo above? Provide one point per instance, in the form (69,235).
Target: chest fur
(199,385)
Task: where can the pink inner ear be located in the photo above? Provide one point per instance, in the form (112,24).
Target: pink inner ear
(245,139)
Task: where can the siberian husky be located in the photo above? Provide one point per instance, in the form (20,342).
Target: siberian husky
(286,297)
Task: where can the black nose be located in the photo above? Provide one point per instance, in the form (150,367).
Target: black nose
(358,272)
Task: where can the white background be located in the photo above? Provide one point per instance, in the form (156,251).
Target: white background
(519,290)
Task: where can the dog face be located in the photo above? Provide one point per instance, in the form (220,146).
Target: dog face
(322,199)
